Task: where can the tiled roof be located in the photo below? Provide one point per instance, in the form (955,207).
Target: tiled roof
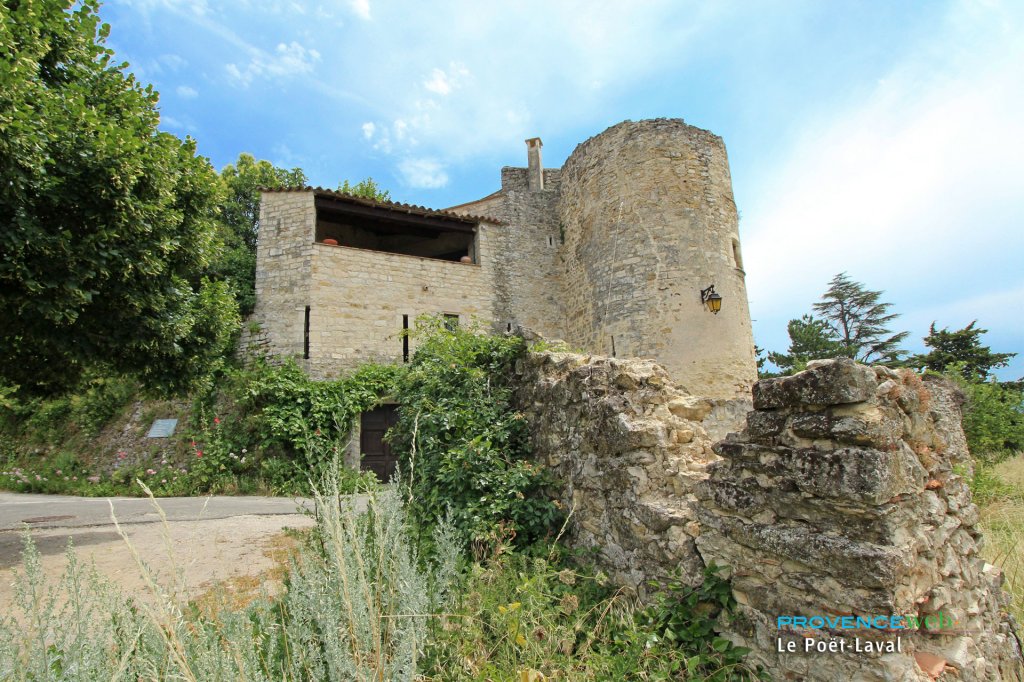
(409,209)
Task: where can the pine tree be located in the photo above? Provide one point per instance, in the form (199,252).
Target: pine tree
(809,339)
(859,321)
(960,350)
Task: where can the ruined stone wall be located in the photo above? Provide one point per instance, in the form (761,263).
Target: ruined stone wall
(283,266)
(838,498)
(841,498)
(628,446)
(649,221)
(358,298)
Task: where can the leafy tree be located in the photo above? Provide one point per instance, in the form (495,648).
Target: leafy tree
(960,351)
(809,339)
(859,321)
(106,224)
(368,189)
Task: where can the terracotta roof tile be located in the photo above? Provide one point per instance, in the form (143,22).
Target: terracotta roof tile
(389,205)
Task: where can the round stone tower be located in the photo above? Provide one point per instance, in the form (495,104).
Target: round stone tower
(649,224)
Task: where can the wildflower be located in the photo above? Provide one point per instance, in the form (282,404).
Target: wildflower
(244,451)
(93,479)
(567,577)
(59,472)
(243,459)
(150,472)
(74,478)
(193,443)
(163,480)
(38,477)
(121,455)
(216,420)
(163,462)
(199,453)
(65,478)
(569,603)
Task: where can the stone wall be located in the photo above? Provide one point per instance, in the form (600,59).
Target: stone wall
(358,298)
(841,498)
(838,498)
(649,221)
(628,446)
(283,263)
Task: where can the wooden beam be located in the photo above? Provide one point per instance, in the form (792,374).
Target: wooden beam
(395,215)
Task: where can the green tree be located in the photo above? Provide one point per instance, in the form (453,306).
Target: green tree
(809,339)
(368,189)
(960,351)
(107,225)
(859,321)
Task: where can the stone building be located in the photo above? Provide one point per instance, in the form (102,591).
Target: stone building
(615,253)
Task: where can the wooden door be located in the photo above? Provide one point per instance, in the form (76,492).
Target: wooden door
(377,455)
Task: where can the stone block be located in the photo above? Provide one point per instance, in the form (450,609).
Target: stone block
(835,382)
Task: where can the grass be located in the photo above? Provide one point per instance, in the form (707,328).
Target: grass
(1002,522)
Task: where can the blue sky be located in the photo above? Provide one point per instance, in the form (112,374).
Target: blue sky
(884,139)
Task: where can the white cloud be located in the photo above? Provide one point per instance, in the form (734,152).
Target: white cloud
(368,129)
(172,61)
(443,82)
(361,8)
(423,173)
(185,92)
(887,186)
(288,60)
(914,190)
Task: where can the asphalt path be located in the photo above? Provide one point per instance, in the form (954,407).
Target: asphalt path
(64,511)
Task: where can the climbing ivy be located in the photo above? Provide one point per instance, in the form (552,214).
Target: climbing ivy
(463,446)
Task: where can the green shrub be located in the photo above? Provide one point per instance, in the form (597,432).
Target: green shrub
(541,611)
(993,418)
(463,446)
(289,411)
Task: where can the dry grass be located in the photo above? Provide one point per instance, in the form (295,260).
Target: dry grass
(236,593)
(1002,521)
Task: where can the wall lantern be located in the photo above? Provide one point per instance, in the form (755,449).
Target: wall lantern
(710,299)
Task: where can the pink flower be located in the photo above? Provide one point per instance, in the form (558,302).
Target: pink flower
(193,443)
(59,472)
(199,453)
(93,479)
(216,420)
(150,472)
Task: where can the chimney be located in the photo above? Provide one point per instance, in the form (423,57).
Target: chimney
(535,171)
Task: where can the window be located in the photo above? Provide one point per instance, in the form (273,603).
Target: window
(305,336)
(736,259)
(405,338)
(451,322)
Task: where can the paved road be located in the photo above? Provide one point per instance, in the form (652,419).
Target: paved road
(63,511)
(206,540)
